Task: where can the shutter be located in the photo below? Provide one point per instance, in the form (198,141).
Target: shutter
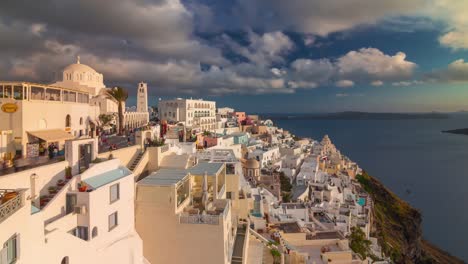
(3,256)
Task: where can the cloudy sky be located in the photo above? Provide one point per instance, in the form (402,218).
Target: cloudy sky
(257,55)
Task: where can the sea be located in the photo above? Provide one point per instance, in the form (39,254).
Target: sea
(423,166)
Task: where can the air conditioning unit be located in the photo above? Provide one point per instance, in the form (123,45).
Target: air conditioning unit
(80,209)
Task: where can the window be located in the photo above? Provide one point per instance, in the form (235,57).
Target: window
(83,98)
(7,91)
(228,195)
(52,95)
(69,96)
(81,121)
(80,232)
(37,93)
(11,248)
(113,221)
(18,92)
(71,200)
(68,121)
(65,260)
(94,233)
(114,193)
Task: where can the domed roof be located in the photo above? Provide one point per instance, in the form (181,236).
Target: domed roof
(78,67)
(252,164)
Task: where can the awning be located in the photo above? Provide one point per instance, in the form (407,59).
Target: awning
(51,135)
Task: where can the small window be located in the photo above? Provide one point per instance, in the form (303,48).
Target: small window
(114,193)
(228,195)
(94,233)
(18,92)
(68,121)
(81,121)
(113,221)
(65,260)
(7,91)
(11,247)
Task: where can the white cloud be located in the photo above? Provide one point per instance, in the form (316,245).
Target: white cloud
(262,49)
(377,83)
(367,65)
(313,70)
(407,83)
(302,84)
(344,83)
(455,14)
(455,39)
(456,71)
(371,63)
(309,40)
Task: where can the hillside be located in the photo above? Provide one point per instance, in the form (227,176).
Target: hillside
(397,226)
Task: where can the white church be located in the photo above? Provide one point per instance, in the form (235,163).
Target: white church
(34,115)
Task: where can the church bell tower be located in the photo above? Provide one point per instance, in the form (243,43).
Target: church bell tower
(142,97)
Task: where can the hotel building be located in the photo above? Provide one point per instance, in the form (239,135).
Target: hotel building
(193,113)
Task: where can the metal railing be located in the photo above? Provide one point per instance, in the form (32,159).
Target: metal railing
(199,219)
(11,206)
(164,148)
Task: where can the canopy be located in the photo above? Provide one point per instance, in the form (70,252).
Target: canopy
(51,135)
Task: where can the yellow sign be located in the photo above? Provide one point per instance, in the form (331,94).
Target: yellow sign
(9,108)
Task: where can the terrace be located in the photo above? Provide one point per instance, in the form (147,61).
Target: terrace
(10,202)
(214,213)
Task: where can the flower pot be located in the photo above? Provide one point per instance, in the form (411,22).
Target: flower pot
(83,188)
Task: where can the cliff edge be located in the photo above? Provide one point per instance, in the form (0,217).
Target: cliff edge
(397,227)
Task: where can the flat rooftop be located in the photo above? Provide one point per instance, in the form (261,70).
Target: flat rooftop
(107,177)
(164,177)
(293,205)
(290,227)
(327,235)
(169,176)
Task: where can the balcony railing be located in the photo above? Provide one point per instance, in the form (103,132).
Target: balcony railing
(209,219)
(12,205)
(199,219)
(164,148)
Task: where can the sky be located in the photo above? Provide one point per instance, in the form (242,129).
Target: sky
(253,55)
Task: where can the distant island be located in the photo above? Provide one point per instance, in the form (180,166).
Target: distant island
(460,131)
(350,115)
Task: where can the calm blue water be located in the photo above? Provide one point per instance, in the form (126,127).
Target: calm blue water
(409,154)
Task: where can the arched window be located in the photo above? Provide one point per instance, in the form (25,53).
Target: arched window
(65,260)
(94,233)
(68,121)
(81,121)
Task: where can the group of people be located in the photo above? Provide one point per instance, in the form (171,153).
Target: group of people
(52,150)
(104,142)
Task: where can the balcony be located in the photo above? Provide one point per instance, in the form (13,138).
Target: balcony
(214,216)
(10,202)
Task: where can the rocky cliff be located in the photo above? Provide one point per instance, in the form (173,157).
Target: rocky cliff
(397,226)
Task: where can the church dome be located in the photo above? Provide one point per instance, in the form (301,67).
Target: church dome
(78,67)
(252,164)
(78,74)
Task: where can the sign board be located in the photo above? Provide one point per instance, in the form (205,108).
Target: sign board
(9,108)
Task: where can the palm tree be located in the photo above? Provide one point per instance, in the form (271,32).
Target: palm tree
(120,95)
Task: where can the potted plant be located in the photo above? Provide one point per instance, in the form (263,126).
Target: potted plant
(68,173)
(82,187)
(61,183)
(43,200)
(52,189)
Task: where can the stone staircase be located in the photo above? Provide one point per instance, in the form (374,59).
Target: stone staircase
(135,162)
(238,246)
